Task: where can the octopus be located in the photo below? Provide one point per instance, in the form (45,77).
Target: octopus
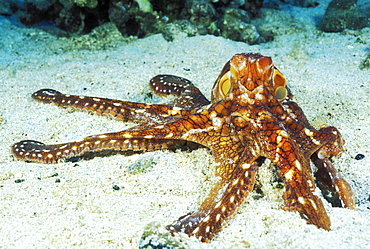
(251,117)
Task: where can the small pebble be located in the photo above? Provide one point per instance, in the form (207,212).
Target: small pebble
(359,156)
(116,187)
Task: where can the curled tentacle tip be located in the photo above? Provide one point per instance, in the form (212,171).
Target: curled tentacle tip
(44,93)
(27,145)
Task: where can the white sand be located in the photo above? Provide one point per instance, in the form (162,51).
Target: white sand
(83,210)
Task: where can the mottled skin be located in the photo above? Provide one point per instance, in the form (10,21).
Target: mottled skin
(250,118)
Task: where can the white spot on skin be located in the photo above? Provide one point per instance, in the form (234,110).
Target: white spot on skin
(140,111)
(310,183)
(246,165)
(298,165)
(217,122)
(315,141)
(148,136)
(213,114)
(277,155)
(206,219)
(289,174)
(301,200)
(169,135)
(308,132)
(217,205)
(283,134)
(218,216)
(259,96)
(96,99)
(127,135)
(313,204)
(279,139)
(173,112)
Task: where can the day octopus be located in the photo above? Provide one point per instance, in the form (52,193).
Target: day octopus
(250,118)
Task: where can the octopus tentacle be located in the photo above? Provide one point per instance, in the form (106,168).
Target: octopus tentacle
(207,221)
(35,151)
(299,183)
(327,176)
(190,97)
(330,180)
(153,137)
(122,110)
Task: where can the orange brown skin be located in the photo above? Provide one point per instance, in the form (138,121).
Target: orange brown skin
(250,118)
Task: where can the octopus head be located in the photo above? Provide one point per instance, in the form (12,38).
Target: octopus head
(250,75)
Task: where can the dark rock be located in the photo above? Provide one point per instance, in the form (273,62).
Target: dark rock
(365,64)
(8,8)
(342,14)
(200,12)
(179,29)
(235,25)
(302,3)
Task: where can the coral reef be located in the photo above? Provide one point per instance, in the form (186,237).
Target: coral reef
(6,8)
(342,14)
(248,21)
(302,3)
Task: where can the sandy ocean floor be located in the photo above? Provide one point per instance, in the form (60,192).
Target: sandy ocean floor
(74,204)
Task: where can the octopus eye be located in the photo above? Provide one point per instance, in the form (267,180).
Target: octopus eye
(280,85)
(279,79)
(224,84)
(281,93)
